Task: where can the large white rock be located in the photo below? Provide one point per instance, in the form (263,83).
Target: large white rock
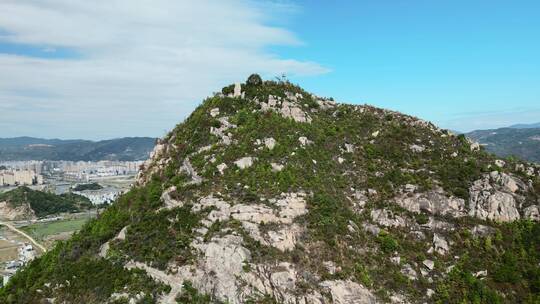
(188,168)
(440,244)
(291,110)
(475,146)
(276,167)
(497,206)
(532,213)
(429,264)
(221,132)
(304,141)
(387,218)
(349,148)
(168,201)
(409,272)
(488,201)
(285,238)
(221,168)
(348,292)
(417,148)
(244,162)
(104,249)
(433,202)
(270,143)
(214,112)
(288,207)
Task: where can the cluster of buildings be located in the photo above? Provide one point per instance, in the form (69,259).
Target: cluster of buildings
(15,177)
(85,171)
(30,172)
(26,254)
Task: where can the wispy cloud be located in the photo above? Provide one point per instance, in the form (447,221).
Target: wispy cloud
(141,66)
(491,119)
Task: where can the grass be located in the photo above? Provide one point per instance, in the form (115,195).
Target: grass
(42,230)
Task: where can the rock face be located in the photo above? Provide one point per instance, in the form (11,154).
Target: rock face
(387,219)
(532,213)
(347,292)
(287,107)
(222,269)
(10,213)
(433,202)
(492,198)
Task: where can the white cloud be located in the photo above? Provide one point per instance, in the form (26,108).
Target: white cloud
(143,65)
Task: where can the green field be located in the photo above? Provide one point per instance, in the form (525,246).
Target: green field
(40,231)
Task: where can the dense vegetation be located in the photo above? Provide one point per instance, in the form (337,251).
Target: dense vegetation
(390,150)
(96,278)
(511,257)
(45,203)
(91,186)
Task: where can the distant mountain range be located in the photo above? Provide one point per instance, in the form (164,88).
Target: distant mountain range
(526,126)
(522,140)
(30,148)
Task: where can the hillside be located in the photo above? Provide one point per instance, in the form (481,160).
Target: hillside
(25,203)
(512,141)
(526,126)
(268,194)
(28,148)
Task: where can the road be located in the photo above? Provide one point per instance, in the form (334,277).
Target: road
(11,227)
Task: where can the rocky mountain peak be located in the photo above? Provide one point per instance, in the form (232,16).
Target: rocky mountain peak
(269,194)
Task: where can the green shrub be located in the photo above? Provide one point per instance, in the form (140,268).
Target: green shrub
(386,242)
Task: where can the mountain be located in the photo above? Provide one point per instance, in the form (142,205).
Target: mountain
(29,148)
(526,126)
(25,203)
(268,194)
(523,142)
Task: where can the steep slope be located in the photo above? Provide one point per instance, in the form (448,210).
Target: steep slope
(268,194)
(25,203)
(28,148)
(520,142)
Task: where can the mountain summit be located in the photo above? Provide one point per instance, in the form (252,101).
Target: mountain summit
(269,194)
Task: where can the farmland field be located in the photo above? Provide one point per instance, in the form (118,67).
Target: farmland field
(51,231)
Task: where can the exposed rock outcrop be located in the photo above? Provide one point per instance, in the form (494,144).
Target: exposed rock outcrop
(492,198)
(288,108)
(11,213)
(348,292)
(433,202)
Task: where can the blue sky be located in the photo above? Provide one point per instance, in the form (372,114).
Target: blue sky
(79,69)
(462,64)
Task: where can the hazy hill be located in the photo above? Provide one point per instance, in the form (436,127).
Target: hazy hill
(521,142)
(28,148)
(268,194)
(526,126)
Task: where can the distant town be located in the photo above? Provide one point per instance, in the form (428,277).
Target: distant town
(101,182)
(55,176)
